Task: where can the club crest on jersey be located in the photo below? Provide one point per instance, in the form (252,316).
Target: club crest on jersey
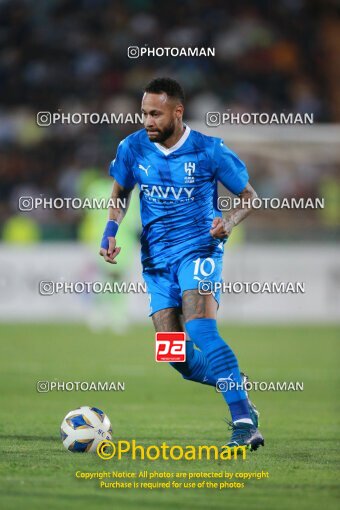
(141,167)
(189,169)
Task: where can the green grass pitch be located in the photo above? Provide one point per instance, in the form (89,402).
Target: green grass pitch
(300,428)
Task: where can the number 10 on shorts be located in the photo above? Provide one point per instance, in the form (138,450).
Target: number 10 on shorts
(170,346)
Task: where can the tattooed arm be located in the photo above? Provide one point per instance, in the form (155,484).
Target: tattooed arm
(222,227)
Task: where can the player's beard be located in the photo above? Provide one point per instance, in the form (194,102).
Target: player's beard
(163,134)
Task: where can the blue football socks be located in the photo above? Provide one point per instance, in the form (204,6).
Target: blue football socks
(221,364)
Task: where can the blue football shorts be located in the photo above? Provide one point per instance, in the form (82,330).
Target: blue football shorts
(166,283)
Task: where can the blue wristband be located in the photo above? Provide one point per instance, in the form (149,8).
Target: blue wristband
(110,231)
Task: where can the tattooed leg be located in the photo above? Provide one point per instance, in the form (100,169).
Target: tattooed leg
(198,306)
(167,319)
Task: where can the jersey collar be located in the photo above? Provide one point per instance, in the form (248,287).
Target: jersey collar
(177,145)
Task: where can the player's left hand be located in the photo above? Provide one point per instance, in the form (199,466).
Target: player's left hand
(220,228)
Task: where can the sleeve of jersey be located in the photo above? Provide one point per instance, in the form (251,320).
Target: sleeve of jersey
(120,168)
(231,171)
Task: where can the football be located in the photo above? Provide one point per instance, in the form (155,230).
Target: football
(82,429)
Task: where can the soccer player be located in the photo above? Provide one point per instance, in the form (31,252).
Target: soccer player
(182,243)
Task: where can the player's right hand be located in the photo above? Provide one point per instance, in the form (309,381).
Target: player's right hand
(111,253)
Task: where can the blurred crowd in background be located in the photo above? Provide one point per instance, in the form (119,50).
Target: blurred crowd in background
(71,56)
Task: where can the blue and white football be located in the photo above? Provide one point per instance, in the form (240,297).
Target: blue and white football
(82,429)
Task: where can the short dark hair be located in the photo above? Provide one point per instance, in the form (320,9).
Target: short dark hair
(171,87)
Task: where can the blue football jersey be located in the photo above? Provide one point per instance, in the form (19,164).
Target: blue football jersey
(178,188)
